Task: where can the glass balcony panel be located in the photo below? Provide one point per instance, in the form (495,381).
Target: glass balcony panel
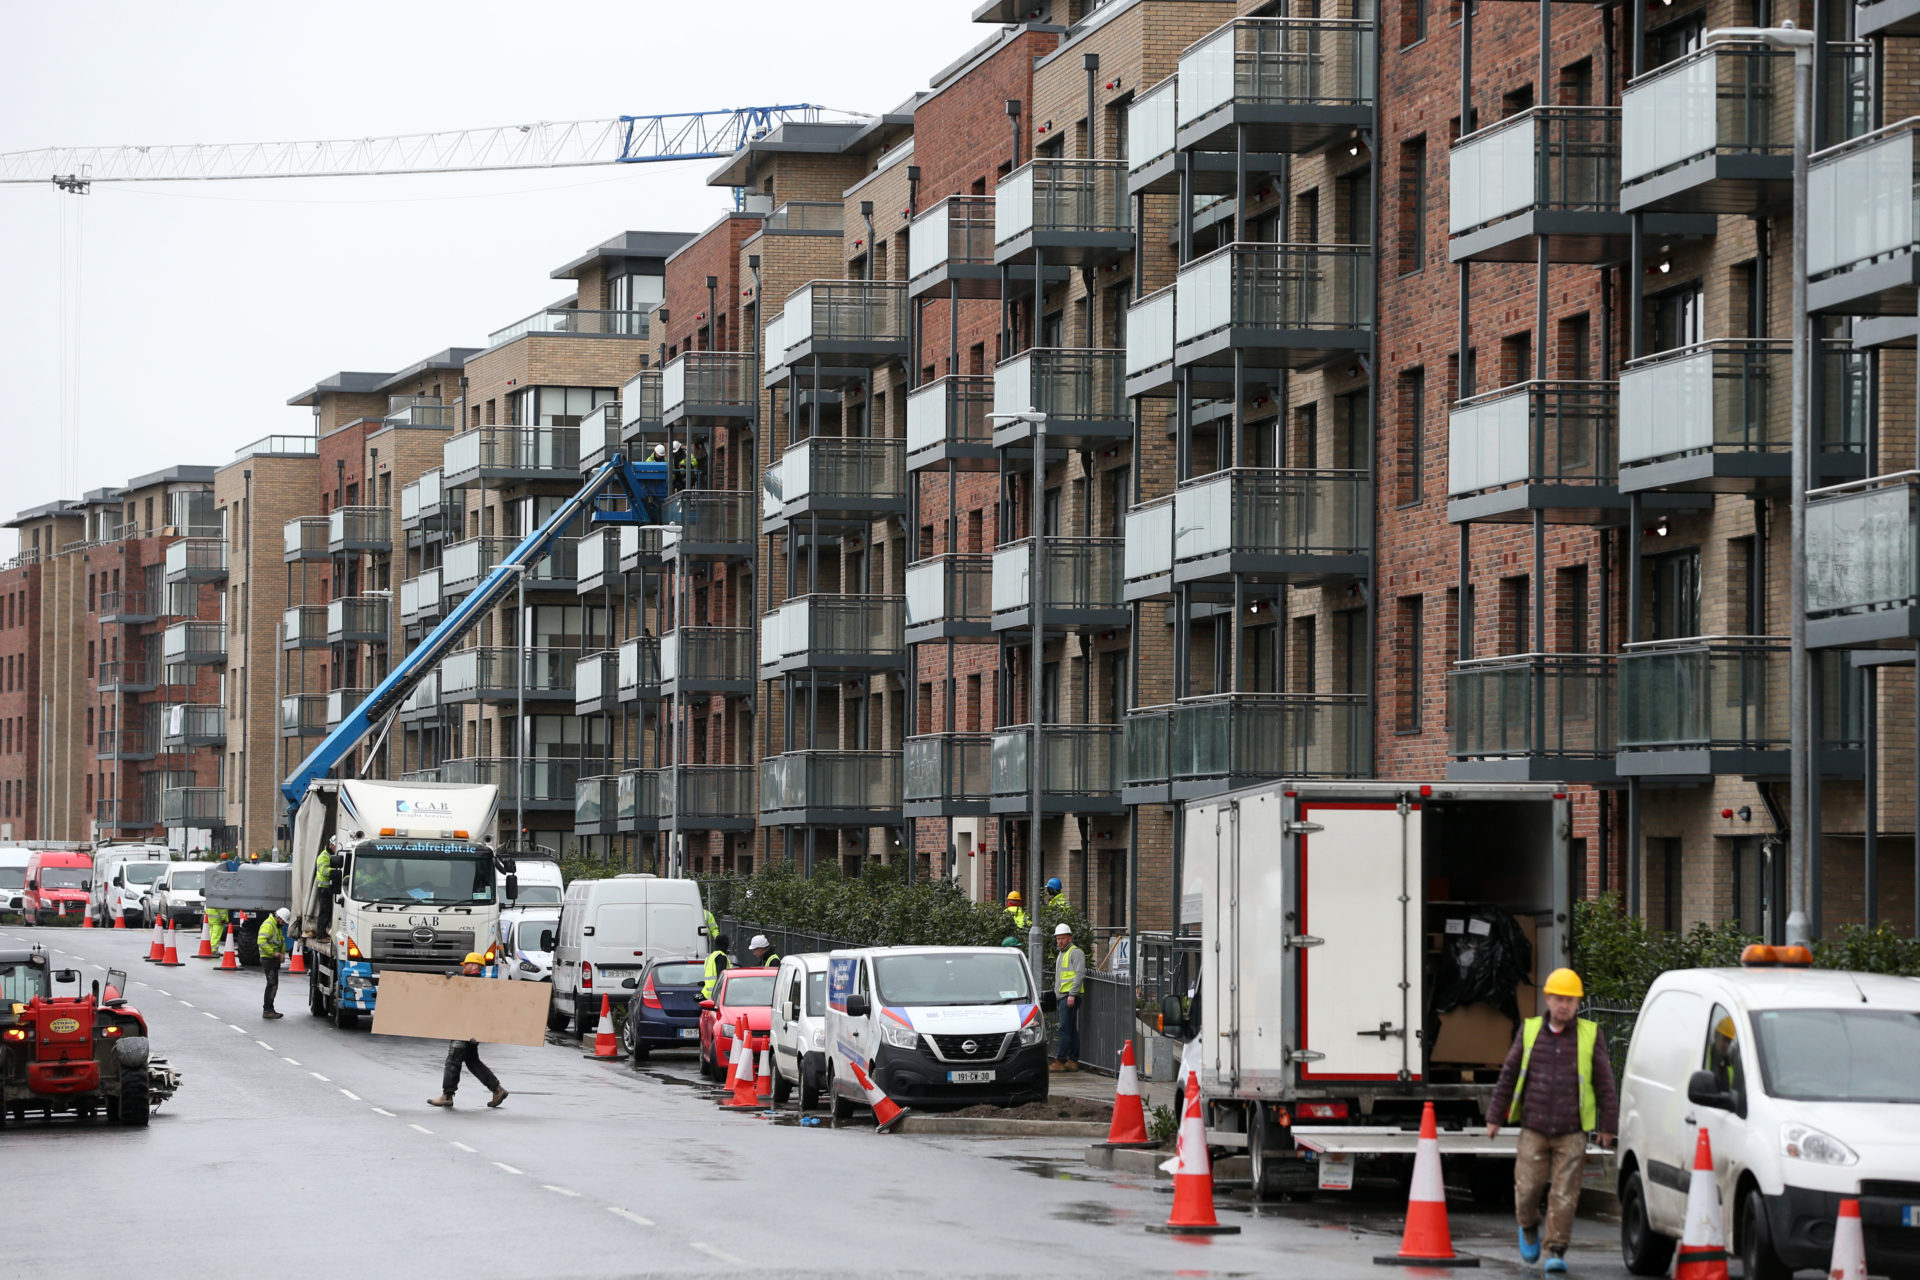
(1725,99)
(1146,759)
(595,799)
(640,401)
(721,378)
(950,588)
(1860,547)
(596,676)
(829,468)
(202,558)
(195,642)
(638,666)
(1268,735)
(1716,692)
(1278,62)
(1273,512)
(712,791)
(846,626)
(846,311)
(806,215)
(950,410)
(303,713)
(486,449)
(624,324)
(193,807)
(1149,550)
(342,702)
(711,517)
(1069,386)
(1546,158)
(363,528)
(1276,287)
(1150,329)
(1534,705)
(1082,573)
(595,553)
(1062,196)
(1539,432)
(1153,119)
(707,654)
(948,766)
(1081,760)
(856,780)
(1860,200)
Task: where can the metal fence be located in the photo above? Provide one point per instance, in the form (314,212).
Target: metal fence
(787,942)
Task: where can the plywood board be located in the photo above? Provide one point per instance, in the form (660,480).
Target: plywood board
(432,1006)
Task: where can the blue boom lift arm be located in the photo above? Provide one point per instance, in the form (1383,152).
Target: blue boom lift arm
(620,492)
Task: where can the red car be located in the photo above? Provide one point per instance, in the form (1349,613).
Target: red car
(744,993)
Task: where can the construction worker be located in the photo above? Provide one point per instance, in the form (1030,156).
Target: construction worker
(272,941)
(1056,895)
(1069,981)
(216,926)
(1021,920)
(1557,1085)
(466,1053)
(763,951)
(716,965)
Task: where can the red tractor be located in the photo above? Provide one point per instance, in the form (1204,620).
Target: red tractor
(62,1049)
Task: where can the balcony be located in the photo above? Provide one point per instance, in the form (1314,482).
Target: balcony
(640,407)
(1863,248)
(641,546)
(124,744)
(637,669)
(1153,127)
(123,814)
(303,715)
(947,424)
(1711,132)
(355,529)
(1535,717)
(506,454)
(185,725)
(305,538)
(575,322)
(1705,706)
(834,633)
(707,797)
(857,324)
(1081,773)
(1082,392)
(1716,417)
(948,775)
(637,799)
(707,388)
(425,505)
(420,598)
(495,674)
(424,412)
(128,608)
(423,704)
(831,789)
(342,703)
(203,808)
(359,619)
(1276,85)
(1150,329)
(1272,527)
(304,627)
(806,218)
(197,644)
(197,560)
(1202,746)
(540,784)
(1273,307)
(1863,563)
(1083,587)
(597,558)
(706,661)
(467,563)
(1057,213)
(713,524)
(839,477)
(950,597)
(950,253)
(600,436)
(126,677)
(1147,564)
(596,804)
(596,683)
(1553,172)
(1535,446)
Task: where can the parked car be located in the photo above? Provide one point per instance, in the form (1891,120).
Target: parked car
(665,1012)
(744,993)
(58,882)
(123,876)
(800,1029)
(177,897)
(609,929)
(527,943)
(13,878)
(1804,1080)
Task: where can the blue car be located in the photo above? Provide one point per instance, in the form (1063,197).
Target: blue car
(665,1013)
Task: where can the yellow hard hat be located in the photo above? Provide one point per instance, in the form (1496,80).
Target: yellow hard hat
(1725,1029)
(1014,896)
(1564,982)
(474,957)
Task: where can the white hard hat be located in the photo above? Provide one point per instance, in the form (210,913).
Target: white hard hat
(659,451)
(283,915)
(759,941)
(1063,931)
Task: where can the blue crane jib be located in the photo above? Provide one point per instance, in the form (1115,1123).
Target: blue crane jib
(619,493)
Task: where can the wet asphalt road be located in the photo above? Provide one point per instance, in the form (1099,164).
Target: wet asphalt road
(294,1141)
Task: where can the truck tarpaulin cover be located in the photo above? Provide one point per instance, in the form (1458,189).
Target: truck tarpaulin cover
(1486,959)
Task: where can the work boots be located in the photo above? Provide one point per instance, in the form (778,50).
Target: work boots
(499,1096)
(444,1100)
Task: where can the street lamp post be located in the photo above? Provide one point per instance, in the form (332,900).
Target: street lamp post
(1800,849)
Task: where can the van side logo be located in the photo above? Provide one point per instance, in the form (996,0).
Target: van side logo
(426,808)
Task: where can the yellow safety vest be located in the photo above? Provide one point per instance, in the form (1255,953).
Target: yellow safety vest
(715,961)
(1020,918)
(1589,1033)
(1067,974)
(272,940)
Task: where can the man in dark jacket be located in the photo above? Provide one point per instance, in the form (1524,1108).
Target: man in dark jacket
(466,1053)
(1557,1085)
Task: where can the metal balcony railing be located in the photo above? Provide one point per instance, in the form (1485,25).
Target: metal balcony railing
(466,563)
(707,655)
(637,667)
(303,715)
(1149,541)
(1728,98)
(124,813)
(837,312)
(420,501)
(1534,433)
(950,588)
(1534,704)
(949,766)
(640,403)
(958,231)
(1862,541)
(359,529)
(305,538)
(596,799)
(716,522)
(1069,386)
(1150,330)
(124,744)
(1562,159)
(424,702)
(640,546)
(196,560)
(696,793)
(193,807)
(186,724)
(1714,692)
(828,469)
(1081,760)
(542,780)
(512,451)
(600,436)
(1275,287)
(1278,62)
(827,628)
(596,554)
(421,411)
(950,411)
(1153,121)
(718,379)
(196,643)
(849,781)
(596,676)
(1735,395)
(499,672)
(125,677)
(420,597)
(1274,512)
(128,607)
(304,626)
(824,217)
(1062,196)
(1146,746)
(1082,573)
(285,446)
(341,703)
(1291,735)
(359,619)
(636,796)
(606,324)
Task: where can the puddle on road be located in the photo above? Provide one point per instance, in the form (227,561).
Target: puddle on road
(1089,1212)
(1040,1167)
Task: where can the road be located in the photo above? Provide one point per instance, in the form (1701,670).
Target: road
(291,1134)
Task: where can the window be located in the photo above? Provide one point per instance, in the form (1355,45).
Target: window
(1409,643)
(1350,412)
(1576,348)
(1722,1056)
(1571,610)
(1413,22)
(1673,587)
(1413,204)
(1513,606)
(1356,207)
(1673,317)
(1350,654)
(1413,436)
(1675,40)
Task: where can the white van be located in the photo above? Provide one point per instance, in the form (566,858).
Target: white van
(800,1028)
(13,878)
(935,1027)
(526,944)
(1805,1081)
(608,929)
(540,893)
(123,877)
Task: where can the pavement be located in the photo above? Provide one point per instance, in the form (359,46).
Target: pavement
(316,1147)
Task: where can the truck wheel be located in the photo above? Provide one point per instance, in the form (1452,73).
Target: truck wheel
(1260,1153)
(584,1021)
(556,1020)
(316,999)
(1645,1251)
(344,1018)
(246,942)
(133,1097)
(1756,1241)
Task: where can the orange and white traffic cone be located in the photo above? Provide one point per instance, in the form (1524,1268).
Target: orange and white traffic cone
(158,946)
(86,919)
(763,1077)
(1427,1241)
(170,958)
(733,1064)
(886,1112)
(229,956)
(742,1099)
(1193,1177)
(206,942)
(603,1042)
(1703,1240)
(1129,1127)
(297,958)
(119,918)
(1849,1261)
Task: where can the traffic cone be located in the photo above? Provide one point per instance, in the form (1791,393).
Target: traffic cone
(886,1112)
(1703,1240)
(1129,1127)
(763,1078)
(733,1066)
(206,942)
(158,946)
(1427,1242)
(742,1099)
(1849,1261)
(119,918)
(603,1042)
(296,959)
(229,957)
(1193,1177)
(86,919)
(170,958)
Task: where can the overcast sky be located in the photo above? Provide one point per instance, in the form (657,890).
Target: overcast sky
(197,309)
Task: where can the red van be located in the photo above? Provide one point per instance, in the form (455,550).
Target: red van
(58,884)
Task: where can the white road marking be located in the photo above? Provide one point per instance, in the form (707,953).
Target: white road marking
(208,1013)
(463,1146)
(629,1215)
(102,968)
(559,1191)
(168,994)
(351,1094)
(289,1061)
(383,1111)
(188,1003)
(721,1254)
(417,1128)
(264,1045)
(507,1168)
(317,1076)
(241,1030)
